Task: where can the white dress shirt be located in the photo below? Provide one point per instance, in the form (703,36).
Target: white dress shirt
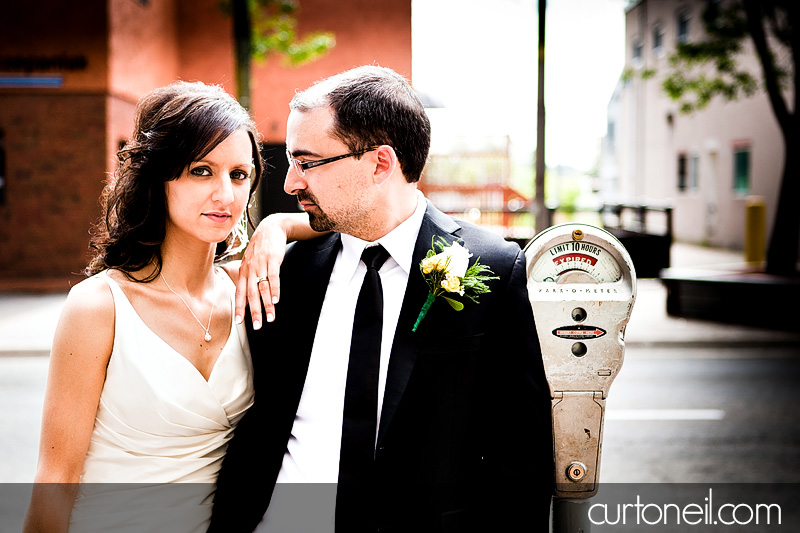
(312,454)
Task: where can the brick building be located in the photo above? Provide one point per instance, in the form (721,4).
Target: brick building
(71,74)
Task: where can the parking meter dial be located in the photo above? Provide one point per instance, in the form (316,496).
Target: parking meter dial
(577,262)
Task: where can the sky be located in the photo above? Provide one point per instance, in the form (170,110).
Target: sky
(479,59)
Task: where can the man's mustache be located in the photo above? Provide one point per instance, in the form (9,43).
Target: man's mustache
(305,196)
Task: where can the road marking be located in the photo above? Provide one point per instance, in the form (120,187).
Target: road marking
(641,352)
(665,414)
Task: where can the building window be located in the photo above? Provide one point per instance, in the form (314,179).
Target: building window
(683,27)
(658,40)
(682,160)
(741,169)
(637,52)
(688,172)
(694,173)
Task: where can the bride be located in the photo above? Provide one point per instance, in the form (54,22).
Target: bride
(149,371)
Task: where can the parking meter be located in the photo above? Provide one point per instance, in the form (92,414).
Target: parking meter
(582,285)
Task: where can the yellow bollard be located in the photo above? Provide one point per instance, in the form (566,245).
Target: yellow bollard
(755,234)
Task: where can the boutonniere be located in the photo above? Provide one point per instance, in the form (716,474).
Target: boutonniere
(447,272)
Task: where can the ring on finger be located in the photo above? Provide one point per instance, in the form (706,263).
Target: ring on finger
(260,279)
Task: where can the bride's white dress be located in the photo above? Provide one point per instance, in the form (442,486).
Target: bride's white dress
(161,430)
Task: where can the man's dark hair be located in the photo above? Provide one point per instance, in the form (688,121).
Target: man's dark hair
(373,106)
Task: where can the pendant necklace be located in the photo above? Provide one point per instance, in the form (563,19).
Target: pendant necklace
(213,303)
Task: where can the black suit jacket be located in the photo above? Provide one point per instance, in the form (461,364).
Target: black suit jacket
(465,438)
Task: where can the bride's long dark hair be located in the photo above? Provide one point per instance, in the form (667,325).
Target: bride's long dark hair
(174,126)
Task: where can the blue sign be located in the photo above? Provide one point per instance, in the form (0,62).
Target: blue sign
(31,81)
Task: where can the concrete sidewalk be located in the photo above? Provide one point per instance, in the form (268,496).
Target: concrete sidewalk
(650,325)
(28,321)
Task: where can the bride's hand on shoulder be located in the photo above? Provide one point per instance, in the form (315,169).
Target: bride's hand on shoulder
(258,279)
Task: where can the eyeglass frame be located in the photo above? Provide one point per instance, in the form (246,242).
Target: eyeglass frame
(302,166)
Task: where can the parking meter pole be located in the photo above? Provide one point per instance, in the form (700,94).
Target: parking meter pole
(571,516)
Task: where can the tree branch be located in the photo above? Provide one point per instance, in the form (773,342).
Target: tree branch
(753,10)
(794,46)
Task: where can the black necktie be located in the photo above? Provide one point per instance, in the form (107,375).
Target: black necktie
(359,422)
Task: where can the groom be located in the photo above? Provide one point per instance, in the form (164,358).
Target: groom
(457,430)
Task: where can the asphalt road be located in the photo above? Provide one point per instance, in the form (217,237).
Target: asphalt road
(715,414)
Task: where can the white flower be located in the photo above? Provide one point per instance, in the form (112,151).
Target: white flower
(459,259)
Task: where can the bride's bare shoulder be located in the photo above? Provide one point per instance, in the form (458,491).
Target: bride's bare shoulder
(232,269)
(88,303)
(86,325)
(93,292)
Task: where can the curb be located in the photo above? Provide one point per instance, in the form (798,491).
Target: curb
(24,353)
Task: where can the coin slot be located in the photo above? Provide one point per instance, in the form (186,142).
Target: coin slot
(579,349)
(579,314)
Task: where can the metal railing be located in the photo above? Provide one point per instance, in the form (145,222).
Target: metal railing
(635,218)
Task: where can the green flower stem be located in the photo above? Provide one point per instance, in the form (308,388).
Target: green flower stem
(424,310)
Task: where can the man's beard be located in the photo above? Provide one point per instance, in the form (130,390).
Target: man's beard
(317,218)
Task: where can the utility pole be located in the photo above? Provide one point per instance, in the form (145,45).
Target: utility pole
(242,35)
(540,217)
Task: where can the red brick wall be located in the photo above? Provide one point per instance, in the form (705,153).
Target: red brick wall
(143,46)
(55,141)
(55,158)
(206,43)
(119,126)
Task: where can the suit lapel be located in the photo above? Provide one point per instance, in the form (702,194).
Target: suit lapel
(406,343)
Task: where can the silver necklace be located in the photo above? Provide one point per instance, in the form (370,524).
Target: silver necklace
(213,303)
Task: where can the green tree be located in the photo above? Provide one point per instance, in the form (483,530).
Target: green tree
(768,25)
(265,27)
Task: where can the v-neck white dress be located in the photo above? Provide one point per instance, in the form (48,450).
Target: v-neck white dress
(159,422)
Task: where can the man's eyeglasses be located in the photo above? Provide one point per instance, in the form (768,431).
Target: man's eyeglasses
(301,166)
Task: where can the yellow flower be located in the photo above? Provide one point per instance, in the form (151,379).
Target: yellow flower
(435,262)
(452,283)
(428,265)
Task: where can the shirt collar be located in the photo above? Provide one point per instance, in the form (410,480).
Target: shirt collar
(399,242)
